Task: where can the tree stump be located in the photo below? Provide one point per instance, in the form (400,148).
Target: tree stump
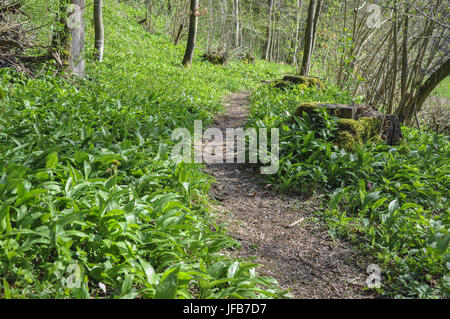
(357,124)
(215,58)
(290,80)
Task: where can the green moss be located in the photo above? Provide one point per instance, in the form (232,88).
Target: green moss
(357,131)
(345,140)
(371,126)
(309,106)
(354,127)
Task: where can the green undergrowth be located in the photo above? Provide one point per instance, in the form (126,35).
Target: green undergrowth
(90,203)
(392,201)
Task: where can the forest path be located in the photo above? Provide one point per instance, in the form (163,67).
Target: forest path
(303,257)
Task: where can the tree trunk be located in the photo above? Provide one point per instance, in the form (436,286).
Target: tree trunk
(193,25)
(178,35)
(211,30)
(269,32)
(297,31)
(394,62)
(236,17)
(76,27)
(404,74)
(309,38)
(406,112)
(316,22)
(99,30)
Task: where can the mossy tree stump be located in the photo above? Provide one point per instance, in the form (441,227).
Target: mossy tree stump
(215,58)
(356,124)
(289,80)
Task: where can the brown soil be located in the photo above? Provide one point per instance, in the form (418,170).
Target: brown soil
(303,257)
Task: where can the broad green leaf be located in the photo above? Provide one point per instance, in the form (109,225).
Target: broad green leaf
(52,160)
(150,273)
(168,285)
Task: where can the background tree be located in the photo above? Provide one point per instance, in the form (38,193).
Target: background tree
(99,30)
(193,25)
(309,38)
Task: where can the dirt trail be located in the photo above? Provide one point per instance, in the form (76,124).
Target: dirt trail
(302,257)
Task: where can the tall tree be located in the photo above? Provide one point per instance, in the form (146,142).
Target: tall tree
(299,10)
(237,31)
(99,30)
(192,36)
(266,54)
(309,38)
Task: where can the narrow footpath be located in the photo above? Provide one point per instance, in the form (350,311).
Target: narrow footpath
(281,231)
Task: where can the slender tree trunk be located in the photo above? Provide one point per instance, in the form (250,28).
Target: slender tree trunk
(237,23)
(316,22)
(266,55)
(404,75)
(76,27)
(395,60)
(297,31)
(192,37)
(178,35)
(211,30)
(224,14)
(309,39)
(99,30)
(344,34)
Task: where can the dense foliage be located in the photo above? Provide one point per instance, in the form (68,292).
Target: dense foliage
(91,205)
(89,198)
(392,200)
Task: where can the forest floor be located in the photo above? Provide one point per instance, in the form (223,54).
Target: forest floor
(302,257)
